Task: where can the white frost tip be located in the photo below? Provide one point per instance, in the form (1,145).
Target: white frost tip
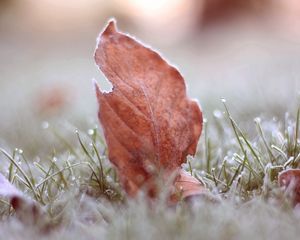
(257,120)
(223,100)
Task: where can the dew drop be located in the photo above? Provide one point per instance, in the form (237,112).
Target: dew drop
(91,131)
(45,125)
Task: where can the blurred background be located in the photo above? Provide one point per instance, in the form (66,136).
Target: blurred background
(247,52)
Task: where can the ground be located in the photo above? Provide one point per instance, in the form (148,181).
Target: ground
(79,191)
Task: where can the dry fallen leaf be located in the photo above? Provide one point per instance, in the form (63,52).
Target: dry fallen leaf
(149,124)
(290,180)
(28,211)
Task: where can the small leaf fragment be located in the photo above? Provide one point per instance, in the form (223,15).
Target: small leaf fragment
(290,180)
(187,186)
(28,211)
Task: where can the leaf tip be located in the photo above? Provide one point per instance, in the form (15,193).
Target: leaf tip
(97,88)
(110,28)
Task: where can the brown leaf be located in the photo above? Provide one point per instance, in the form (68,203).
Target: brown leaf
(290,180)
(28,211)
(149,124)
